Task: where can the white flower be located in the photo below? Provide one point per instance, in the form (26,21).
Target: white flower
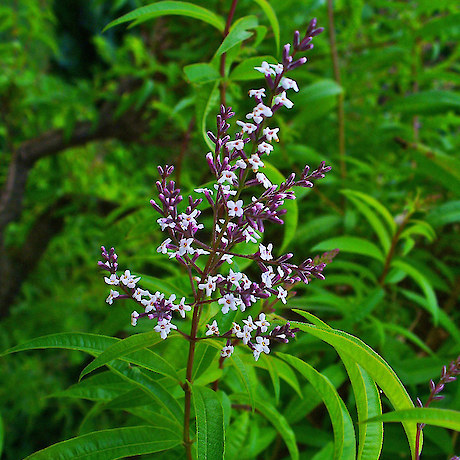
(113,295)
(258,112)
(186,219)
(238,145)
(246,281)
(249,233)
(288,83)
(227,258)
(256,352)
(245,334)
(227,176)
(235,209)
(265,147)
(164,328)
(182,308)
(278,68)
(134,316)
(247,127)
(263,343)
(283,100)
(163,221)
(270,134)
(265,69)
(266,252)
(201,252)
(236,328)
(255,162)
(263,179)
(259,93)
(226,190)
(185,246)
(227,351)
(228,302)
(203,190)
(138,293)
(282,294)
(267,277)
(209,285)
(128,280)
(162,248)
(112,280)
(249,323)
(234,277)
(262,323)
(149,304)
(212,328)
(241,164)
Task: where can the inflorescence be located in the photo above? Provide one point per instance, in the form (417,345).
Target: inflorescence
(237,166)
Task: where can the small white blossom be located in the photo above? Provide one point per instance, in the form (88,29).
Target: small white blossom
(227,351)
(265,69)
(263,343)
(262,323)
(249,233)
(245,334)
(282,294)
(128,280)
(259,93)
(241,164)
(259,111)
(227,176)
(236,328)
(186,219)
(163,246)
(182,308)
(212,328)
(134,316)
(228,302)
(185,246)
(138,293)
(246,281)
(266,252)
(227,258)
(267,277)
(113,295)
(164,328)
(278,68)
(238,144)
(265,147)
(226,189)
(235,209)
(112,280)
(263,179)
(283,100)
(209,285)
(234,277)
(256,352)
(249,323)
(255,162)
(166,222)
(247,127)
(271,134)
(201,252)
(288,83)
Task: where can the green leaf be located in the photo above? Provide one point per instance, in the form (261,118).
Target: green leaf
(111,444)
(206,98)
(373,203)
(430,296)
(276,419)
(204,356)
(428,102)
(201,73)
(319,90)
(373,364)
(243,372)
(351,244)
(166,8)
(2,435)
(445,418)
(344,435)
(209,424)
(444,214)
(271,16)
(275,378)
(130,345)
(238,33)
(245,70)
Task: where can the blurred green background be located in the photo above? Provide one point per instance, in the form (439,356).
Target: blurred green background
(86,116)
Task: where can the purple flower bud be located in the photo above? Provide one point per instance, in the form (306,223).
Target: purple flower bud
(318,31)
(296,39)
(419,402)
(311,26)
(211,136)
(297,63)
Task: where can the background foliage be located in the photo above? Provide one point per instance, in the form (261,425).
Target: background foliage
(85,118)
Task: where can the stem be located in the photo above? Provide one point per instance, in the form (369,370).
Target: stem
(223,84)
(340,97)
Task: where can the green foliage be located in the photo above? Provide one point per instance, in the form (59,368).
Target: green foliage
(390,296)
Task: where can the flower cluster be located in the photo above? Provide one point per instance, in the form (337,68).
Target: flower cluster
(239,215)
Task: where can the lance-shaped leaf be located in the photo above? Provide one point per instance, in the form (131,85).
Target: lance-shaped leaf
(130,345)
(351,244)
(238,33)
(169,8)
(271,16)
(209,424)
(110,444)
(445,418)
(344,434)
